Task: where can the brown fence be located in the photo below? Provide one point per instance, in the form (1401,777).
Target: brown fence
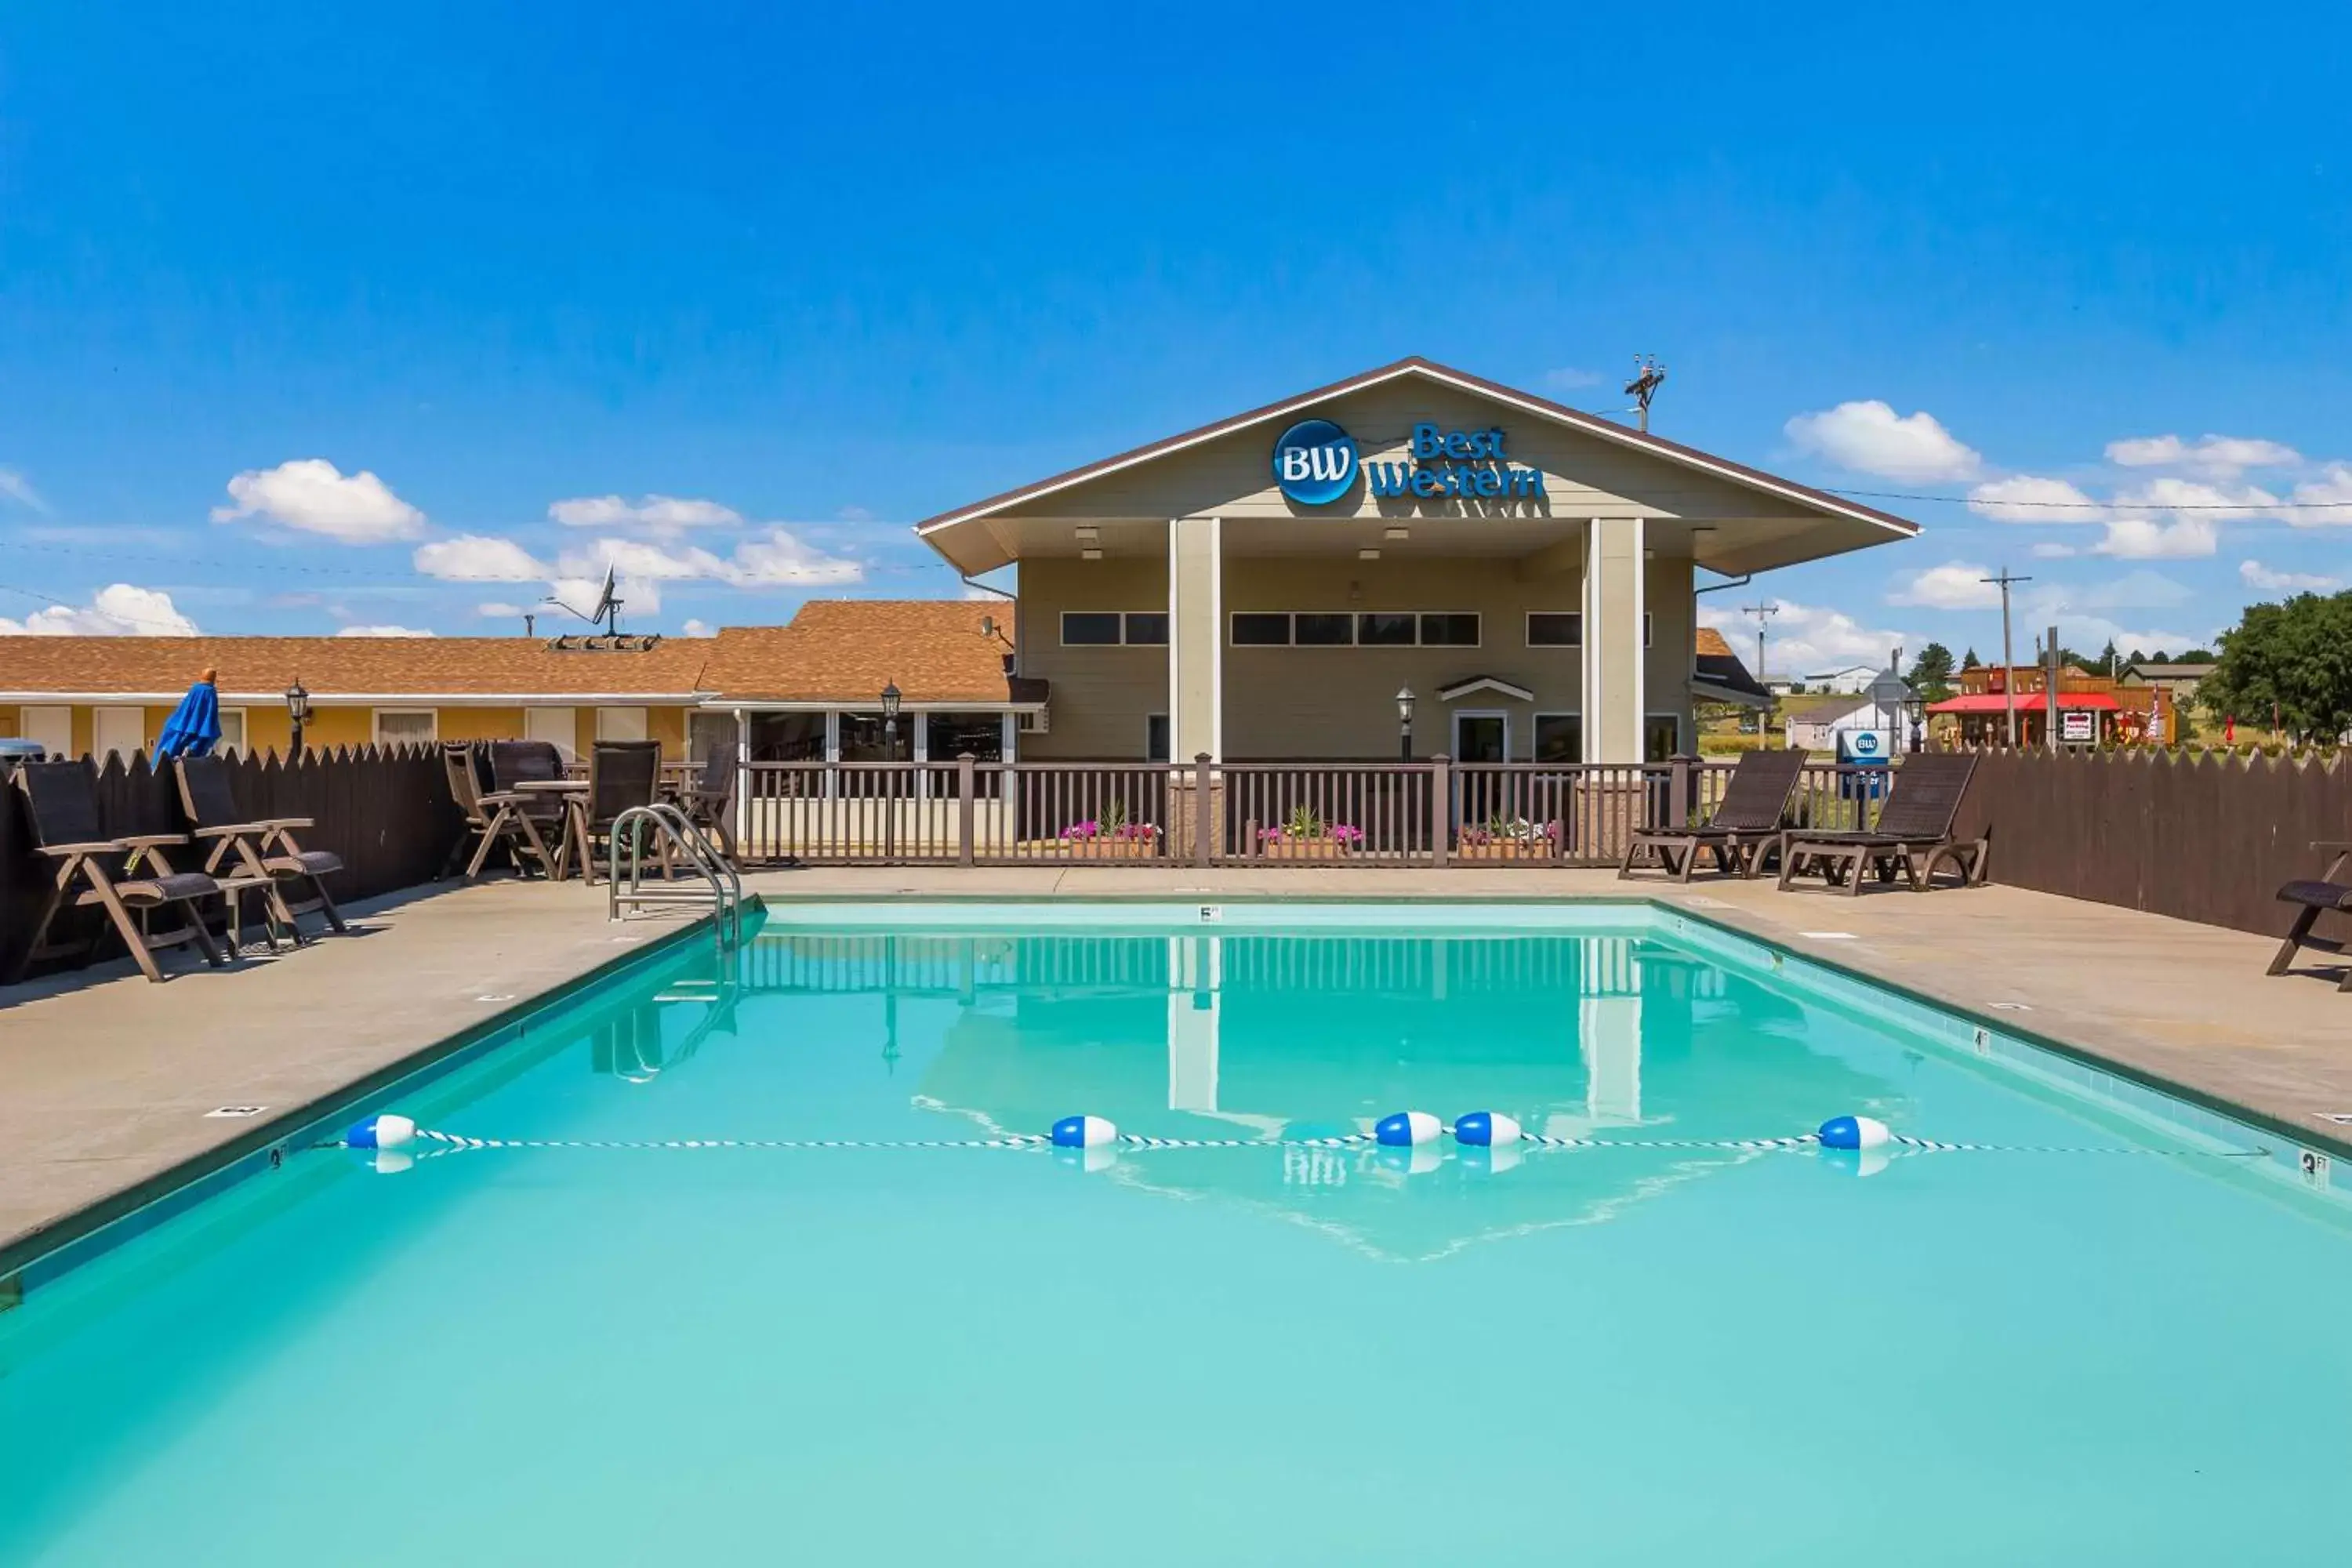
(1431,813)
(385,811)
(2199,837)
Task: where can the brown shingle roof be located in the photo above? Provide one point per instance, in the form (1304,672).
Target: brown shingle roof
(339,666)
(1712,646)
(847,650)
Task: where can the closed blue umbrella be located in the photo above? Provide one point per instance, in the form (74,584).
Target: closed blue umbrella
(193,729)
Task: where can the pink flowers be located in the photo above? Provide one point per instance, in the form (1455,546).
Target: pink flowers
(1337,832)
(1090,830)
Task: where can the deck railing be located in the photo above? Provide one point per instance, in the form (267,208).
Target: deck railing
(1203,813)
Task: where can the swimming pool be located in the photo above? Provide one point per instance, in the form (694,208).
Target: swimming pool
(1664,1344)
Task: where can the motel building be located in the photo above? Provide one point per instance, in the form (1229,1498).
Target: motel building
(1265,587)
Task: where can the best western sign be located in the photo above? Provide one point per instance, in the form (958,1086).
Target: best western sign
(1315,464)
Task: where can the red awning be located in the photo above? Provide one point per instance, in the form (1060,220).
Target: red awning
(1994,703)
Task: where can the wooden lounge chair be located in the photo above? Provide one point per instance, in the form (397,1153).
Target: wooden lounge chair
(493,818)
(61,803)
(620,774)
(2331,891)
(257,853)
(710,801)
(1914,832)
(1746,821)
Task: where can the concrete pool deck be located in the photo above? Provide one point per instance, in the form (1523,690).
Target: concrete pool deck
(106,1081)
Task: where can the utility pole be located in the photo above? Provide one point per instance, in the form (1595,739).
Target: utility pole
(2007,670)
(1762,612)
(2050,693)
(1648,374)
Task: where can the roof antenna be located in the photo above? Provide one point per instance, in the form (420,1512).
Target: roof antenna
(1649,375)
(607,612)
(530,624)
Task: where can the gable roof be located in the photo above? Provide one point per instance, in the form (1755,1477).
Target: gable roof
(1444,375)
(839,651)
(260,668)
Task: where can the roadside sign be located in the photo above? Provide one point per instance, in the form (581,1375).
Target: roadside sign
(2078,726)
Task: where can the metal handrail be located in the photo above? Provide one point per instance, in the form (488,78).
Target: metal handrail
(726,895)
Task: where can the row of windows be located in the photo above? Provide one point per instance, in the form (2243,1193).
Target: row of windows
(1327,628)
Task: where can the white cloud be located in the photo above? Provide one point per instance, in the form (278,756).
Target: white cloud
(15,487)
(655,514)
(695,629)
(313,496)
(1568,378)
(2220,454)
(2218,503)
(382,632)
(774,559)
(2049,549)
(478,558)
(494,611)
(2027,498)
(119,610)
(2255,574)
(1954,586)
(1870,438)
(2143,539)
(2325,499)
(2139,590)
(1802,639)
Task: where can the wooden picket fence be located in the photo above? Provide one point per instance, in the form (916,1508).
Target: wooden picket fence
(385,810)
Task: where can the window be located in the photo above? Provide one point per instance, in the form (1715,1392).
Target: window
(1155,738)
(705,730)
(1560,737)
(557,727)
(232,737)
(787,736)
(947,736)
(1109,629)
(1255,629)
(868,737)
(405,726)
(1325,629)
(1386,628)
(1555,629)
(620,723)
(1662,736)
(1449,629)
(1649,627)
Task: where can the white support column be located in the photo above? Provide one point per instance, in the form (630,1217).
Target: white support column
(1614,603)
(1196,664)
(1609,1026)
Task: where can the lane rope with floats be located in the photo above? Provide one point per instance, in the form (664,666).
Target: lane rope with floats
(389,1133)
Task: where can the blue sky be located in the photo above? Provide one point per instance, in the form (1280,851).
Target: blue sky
(300,305)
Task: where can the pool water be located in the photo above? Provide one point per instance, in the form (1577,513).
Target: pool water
(1274,1354)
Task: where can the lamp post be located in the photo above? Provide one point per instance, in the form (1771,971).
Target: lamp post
(1404,722)
(298,713)
(891,698)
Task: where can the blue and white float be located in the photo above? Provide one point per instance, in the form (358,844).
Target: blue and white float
(1084,1133)
(1486,1130)
(1407,1129)
(388,1130)
(1853,1132)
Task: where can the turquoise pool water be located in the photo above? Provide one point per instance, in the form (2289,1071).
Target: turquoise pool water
(1266,1355)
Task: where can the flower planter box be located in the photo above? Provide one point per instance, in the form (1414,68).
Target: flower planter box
(1507,850)
(1304,850)
(1089,848)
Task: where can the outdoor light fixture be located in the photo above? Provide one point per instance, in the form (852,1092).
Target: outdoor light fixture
(1404,722)
(298,713)
(1367,554)
(1090,554)
(890,699)
(1088,535)
(1396,535)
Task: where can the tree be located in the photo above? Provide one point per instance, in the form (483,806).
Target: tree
(1970,661)
(2160,656)
(2294,659)
(2107,659)
(2197,655)
(2137,658)
(1931,673)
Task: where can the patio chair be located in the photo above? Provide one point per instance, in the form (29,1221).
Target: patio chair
(93,868)
(256,853)
(492,819)
(2330,891)
(1914,833)
(710,801)
(1746,823)
(620,774)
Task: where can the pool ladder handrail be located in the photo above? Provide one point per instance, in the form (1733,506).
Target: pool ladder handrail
(682,835)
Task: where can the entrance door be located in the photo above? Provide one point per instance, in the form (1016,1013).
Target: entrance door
(1481,737)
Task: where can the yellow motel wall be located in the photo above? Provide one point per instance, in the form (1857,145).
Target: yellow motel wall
(1302,702)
